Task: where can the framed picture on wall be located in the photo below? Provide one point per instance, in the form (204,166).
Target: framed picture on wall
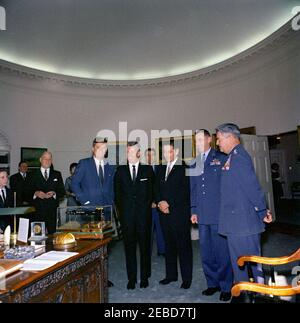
(32,156)
(185,144)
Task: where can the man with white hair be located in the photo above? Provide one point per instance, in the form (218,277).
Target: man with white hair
(243,208)
(47,188)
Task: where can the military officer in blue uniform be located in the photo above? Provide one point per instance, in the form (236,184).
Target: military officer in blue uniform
(205,176)
(243,206)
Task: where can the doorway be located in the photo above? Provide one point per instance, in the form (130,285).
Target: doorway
(285,161)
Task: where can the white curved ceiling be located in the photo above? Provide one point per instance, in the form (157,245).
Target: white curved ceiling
(134,39)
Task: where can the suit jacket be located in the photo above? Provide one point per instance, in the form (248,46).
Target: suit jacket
(87,186)
(37,182)
(9,201)
(176,191)
(205,188)
(18,184)
(134,200)
(243,204)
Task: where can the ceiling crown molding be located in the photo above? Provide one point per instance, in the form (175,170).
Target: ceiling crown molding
(272,42)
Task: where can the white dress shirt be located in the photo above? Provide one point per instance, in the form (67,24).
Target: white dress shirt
(169,168)
(136,169)
(205,154)
(99,162)
(43,171)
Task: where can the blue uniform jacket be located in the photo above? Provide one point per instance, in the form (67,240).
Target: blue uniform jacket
(205,188)
(243,204)
(87,186)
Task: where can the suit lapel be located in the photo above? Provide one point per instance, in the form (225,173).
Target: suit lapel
(138,175)
(107,172)
(128,174)
(94,171)
(1,202)
(41,175)
(173,170)
(209,158)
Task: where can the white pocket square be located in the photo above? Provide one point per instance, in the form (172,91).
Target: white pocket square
(55,180)
(143,179)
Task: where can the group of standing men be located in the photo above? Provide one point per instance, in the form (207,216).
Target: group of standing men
(219,191)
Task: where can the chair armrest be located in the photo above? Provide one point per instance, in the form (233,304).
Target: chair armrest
(269,261)
(265,289)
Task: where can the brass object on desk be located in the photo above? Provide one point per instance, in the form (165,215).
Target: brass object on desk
(95,226)
(64,241)
(85,222)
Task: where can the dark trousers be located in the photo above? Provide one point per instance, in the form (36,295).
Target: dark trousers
(178,245)
(215,258)
(156,228)
(133,235)
(241,246)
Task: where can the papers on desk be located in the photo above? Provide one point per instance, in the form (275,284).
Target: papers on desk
(46,260)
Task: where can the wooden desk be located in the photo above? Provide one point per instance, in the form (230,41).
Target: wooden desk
(80,279)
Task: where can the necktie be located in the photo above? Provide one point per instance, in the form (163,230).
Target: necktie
(168,171)
(202,163)
(3,195)
(46,175)
(133,173)
(101,174)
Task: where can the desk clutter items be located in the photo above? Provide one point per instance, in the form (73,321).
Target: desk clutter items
(7,233)
(85,222)
(47,260)
(64,241)
(20,253)
(8,266)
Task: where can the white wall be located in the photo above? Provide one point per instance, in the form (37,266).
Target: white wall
(263,91)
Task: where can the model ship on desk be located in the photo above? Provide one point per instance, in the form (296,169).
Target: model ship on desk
(86,222)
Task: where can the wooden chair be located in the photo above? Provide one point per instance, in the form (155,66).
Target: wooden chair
(261,289)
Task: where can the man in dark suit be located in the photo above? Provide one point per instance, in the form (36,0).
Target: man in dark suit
(6,197)
(46,188)
(92,181)
(134,196)
(172,192)
(205,178)
(243,209)
(18,184)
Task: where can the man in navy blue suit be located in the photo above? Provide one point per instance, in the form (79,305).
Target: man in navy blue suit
(93,180)
(205,177)
(243,204)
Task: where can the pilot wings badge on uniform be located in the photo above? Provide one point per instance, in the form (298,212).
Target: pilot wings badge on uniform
(227,164)
(215,162)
